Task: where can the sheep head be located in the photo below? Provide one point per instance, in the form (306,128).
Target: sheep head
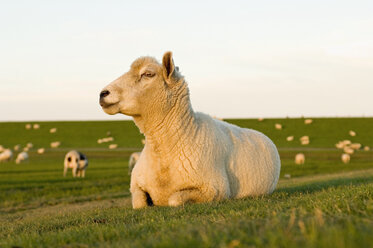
(147,87)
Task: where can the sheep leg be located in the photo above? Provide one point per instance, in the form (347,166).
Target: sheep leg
(78,174)
(74,171)
(183,196)
(83,173)
(139,198)
(65,171)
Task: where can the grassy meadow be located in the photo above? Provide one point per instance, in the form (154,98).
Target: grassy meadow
(325,202)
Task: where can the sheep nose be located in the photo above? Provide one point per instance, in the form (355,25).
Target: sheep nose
(104,93)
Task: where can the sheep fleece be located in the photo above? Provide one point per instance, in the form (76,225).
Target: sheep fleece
(218,159)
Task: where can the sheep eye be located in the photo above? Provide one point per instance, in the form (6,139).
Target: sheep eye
(148,74)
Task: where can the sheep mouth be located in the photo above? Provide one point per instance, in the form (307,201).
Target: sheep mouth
(104,104)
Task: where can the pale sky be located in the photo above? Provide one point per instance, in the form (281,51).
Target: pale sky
(240,58)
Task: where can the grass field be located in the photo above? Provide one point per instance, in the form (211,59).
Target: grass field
(325,203)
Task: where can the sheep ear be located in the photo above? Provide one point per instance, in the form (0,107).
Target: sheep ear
(170,73)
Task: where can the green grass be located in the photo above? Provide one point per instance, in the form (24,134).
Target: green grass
(325,203)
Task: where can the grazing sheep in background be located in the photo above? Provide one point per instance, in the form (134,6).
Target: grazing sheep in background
(278,126)
(36,126)
(53,130)
(76,161)
(28,126)
(40,150)
(29,145)
(261,119)
(348,150)
(352,133)
(300,158)
(355,146)
(55,144)
(1,148)
(26,149)
(345,158)
(16,147)
(105,140)
(132,161)
(290,138)
(366,148)
(113,146)
(308,121)
(6,155)
(188,156)
(304,140)
(23,156)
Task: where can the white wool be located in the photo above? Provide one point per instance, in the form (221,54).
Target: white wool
(132,161)
(366,148)
(36,126)
(188,156)
(55,144)
(260,119)
(6,155)
(1,148)
(28,126)
(40,150)
(300,158)
(308,121)
(352,133)
(17,147)
(290,138)
(29,145)
(26,149)
(77,162)
(105,140)
(278,126)
(23,156)
(113,146)
(53,130)
(345,158)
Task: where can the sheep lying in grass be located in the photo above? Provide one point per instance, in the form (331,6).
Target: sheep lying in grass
(300,158)
(188,156)
(23,156)
(132,161)
(76,161)
(6,155)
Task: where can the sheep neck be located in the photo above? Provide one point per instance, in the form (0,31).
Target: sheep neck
(166,133)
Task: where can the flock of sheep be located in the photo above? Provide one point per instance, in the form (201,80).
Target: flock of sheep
(348,148)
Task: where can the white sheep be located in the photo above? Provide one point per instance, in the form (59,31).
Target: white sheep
(113,146)
(290,138)
(36,126)
(300,158)
(76,161)
(23,156)
(366,148)
(345,158)
(1,148)
(28,126)
(261,119)
(304,140)
(188,156)
(355,146)
(40,150)
(352,133)
(53,130)
(308,121)
(278,126)
(132,161)
(29,145)
(6,155)
(348,150)
(55,144)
